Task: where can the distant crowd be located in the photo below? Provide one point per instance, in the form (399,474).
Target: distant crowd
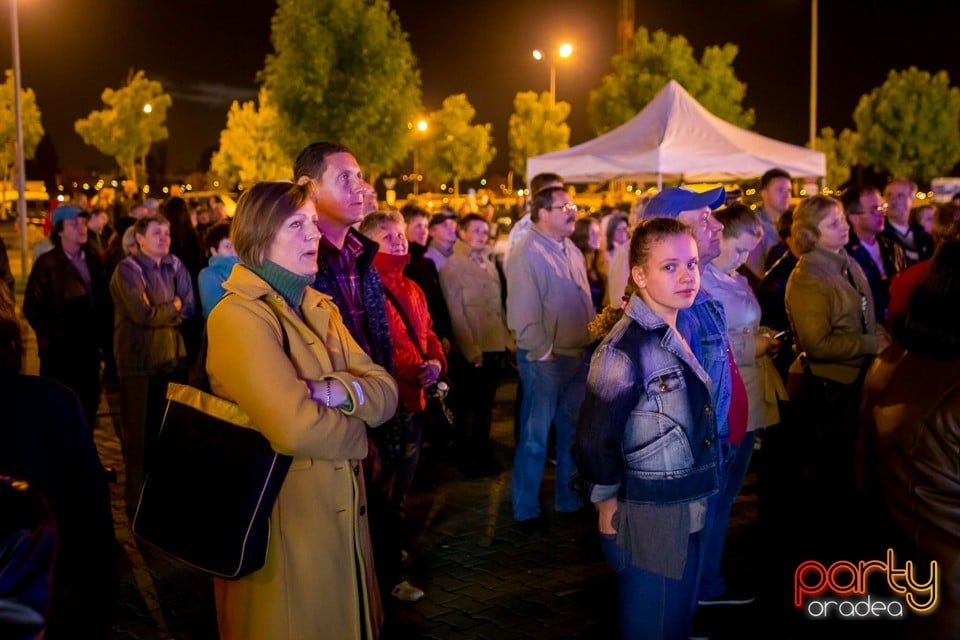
(662,348)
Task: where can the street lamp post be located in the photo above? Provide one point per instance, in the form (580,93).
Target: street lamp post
(422,127)
(18,115)
(564,51)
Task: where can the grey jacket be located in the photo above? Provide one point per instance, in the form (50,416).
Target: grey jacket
(146,338)
(548,296)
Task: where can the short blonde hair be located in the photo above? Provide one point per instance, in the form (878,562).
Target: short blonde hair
(261,211)
(807,217)
(377,219)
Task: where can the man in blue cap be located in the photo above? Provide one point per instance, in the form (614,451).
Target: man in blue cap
(690,207)
(67,303)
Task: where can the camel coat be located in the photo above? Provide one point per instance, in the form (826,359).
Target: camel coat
(318,581)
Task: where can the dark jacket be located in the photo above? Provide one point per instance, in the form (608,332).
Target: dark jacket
(71,320)
(922,242)
(911,431)
(894,261)
(773,310)
(373,301)
(6,276)
(424,272)
(45,441)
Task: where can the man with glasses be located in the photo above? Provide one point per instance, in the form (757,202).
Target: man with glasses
(549,307)
(879,256)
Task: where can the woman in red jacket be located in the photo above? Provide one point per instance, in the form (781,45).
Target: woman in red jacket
(418,360)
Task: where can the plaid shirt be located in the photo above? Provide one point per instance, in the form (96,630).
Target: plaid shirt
(343,264)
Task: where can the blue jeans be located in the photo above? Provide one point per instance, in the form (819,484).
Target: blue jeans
(552,392)
(735,466)
(652,606)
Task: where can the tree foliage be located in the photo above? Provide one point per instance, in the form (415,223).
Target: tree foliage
(125,129)
(32,128)
(249,149)
(343,70)
(455,149)
(841,154)
(537,126)
(910,125)
(654,60)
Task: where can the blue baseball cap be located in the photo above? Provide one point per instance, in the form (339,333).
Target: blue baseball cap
(670,202)
(67,212)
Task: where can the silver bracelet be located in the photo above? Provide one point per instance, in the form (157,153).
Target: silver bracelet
(329,398)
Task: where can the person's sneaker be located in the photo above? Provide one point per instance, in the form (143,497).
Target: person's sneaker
(406,592)
(728,597)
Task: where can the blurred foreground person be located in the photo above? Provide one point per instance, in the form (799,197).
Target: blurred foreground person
(646,448)
(911,424)
(280,350)
(45,441)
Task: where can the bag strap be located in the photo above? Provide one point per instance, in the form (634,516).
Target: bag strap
(197,375)
(406,322)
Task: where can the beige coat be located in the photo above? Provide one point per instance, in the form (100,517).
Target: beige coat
(310,586)
(473,298)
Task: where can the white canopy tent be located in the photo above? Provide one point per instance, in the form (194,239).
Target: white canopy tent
(676,138)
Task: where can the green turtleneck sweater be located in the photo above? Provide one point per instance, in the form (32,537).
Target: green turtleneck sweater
(287,283)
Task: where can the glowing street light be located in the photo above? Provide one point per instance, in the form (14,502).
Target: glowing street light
(148,108)
(564,51)
(421,126)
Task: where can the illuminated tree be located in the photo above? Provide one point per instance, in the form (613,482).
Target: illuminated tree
(639,75)
(909,124)
(455,149)
(841,154)
(134,119)
(536,126)
(249,149)
(343,70)
(32,128)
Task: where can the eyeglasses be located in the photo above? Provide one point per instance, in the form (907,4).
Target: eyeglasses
(880,208)
(566,208)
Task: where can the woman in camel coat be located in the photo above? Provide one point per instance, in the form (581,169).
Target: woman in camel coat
(280,350)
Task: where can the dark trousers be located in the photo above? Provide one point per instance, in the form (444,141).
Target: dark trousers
(476,390)
(82,375)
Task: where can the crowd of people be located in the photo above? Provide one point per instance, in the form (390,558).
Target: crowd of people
(662,348)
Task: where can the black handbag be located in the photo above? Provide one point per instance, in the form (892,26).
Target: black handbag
(207,497)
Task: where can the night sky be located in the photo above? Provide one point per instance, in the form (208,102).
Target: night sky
(207,53)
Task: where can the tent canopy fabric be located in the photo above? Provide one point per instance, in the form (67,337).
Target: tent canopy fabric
(676,138)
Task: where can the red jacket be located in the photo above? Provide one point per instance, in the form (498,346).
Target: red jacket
(406,355)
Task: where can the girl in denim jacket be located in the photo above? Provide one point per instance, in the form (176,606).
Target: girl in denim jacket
(647,449)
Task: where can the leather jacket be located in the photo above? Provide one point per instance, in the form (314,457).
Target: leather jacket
(911,430)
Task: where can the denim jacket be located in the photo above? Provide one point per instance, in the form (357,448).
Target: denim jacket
(648,425)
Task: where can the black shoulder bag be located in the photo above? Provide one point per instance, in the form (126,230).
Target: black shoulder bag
(207,497)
